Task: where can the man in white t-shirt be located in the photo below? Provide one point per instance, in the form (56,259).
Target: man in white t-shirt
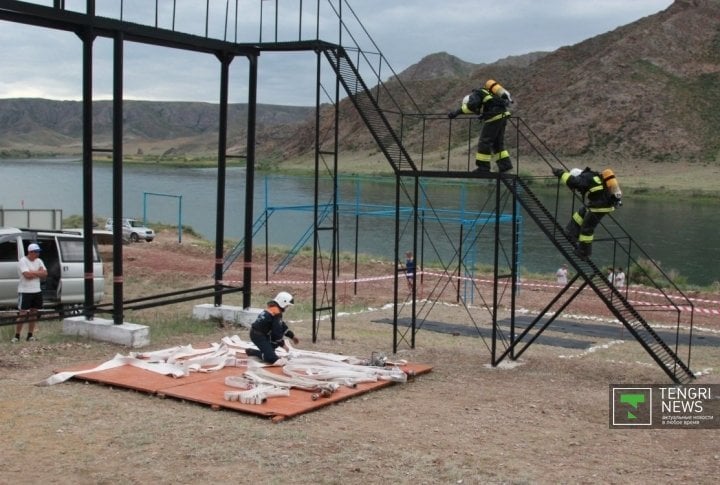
(31,270)
(619,278)
(562,274)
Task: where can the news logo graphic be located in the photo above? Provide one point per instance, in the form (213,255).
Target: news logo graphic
(657,406)
(630,406)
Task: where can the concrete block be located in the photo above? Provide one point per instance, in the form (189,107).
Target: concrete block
(128,334)
(228,313)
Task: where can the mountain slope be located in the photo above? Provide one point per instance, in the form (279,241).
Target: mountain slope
(647,91)
(150,127)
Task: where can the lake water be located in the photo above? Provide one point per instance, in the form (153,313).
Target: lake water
(677,234)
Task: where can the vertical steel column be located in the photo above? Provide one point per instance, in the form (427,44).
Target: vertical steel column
(225,60)
(460,262)
(396,250)
(334,270)
(325,300)
(493,351)
(316,242)
(250,180)
(415,278)
(117,183)
(514,272)
(87,38)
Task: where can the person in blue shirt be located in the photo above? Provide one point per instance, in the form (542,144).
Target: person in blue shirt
(410,269)
(268,332)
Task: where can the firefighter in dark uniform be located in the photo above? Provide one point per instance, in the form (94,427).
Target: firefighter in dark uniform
(490,103)
(268,332)
(601,194)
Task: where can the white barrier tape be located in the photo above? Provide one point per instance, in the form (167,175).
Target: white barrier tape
(309,282)
(487,281)
(642,292)
(682,308)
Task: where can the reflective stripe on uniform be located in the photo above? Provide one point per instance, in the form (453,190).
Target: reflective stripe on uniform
(483,157)
(498,117)
(503,154)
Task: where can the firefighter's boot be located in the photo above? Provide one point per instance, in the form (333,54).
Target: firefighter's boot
(583,250)
(482,167)
(504,165)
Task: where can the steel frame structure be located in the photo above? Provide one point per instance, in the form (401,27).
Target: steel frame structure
(385,125)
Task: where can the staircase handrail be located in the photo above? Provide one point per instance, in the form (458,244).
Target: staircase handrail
(378,52)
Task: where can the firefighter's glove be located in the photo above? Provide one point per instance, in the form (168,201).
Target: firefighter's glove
(558,171)
(453,114)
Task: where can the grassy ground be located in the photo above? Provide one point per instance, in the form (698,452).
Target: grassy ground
(542,419)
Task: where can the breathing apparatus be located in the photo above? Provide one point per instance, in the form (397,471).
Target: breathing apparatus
(612,185)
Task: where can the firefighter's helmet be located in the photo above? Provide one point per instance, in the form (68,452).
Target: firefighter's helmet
(284,299)
(575,172)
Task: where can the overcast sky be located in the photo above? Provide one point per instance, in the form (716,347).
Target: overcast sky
(39,62)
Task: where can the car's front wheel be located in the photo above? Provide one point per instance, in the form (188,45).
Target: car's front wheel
(134,237)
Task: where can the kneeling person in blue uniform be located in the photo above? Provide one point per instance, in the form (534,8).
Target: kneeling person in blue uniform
(268,332)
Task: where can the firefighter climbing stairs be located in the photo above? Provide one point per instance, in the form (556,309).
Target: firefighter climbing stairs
(393,149)
(663,355)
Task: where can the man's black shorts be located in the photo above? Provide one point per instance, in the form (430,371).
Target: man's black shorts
(27,301)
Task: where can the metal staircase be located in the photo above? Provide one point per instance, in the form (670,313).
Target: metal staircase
(304,238)
(665,357)
(369,110)
(391,145)
(238,249)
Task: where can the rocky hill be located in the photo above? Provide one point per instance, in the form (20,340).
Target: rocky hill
(647,91)
(160,129)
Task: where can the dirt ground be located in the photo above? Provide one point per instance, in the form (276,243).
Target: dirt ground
(542,419)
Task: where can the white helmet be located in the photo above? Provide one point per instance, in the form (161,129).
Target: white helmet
(284,299)
(575,172)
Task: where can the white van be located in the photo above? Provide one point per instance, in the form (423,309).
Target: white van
(62,254)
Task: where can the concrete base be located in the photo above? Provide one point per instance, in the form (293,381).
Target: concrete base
(128,334)
(234,314)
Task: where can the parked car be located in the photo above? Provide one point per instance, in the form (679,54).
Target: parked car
(62,253)
(133,230)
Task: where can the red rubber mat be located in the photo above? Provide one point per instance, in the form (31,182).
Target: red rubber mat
(208,388)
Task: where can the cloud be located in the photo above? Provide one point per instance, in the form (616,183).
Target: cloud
(40,62)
